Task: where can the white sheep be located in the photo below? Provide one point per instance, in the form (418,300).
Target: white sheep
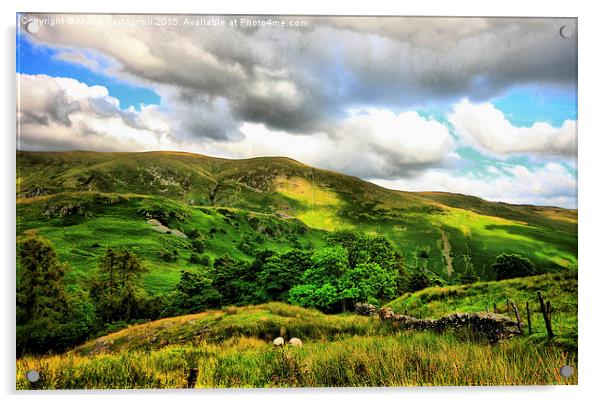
(295,342)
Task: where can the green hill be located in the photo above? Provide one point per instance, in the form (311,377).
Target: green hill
(560,289)
(86,201)
(232,348)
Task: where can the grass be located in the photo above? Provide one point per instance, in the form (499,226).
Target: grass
(84,202)
(280,188)
(115,220)
(264,321)
(338,350)
(560,289)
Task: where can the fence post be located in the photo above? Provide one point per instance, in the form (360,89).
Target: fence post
(494,308)
(529,319)
(545,313)
(519,323)
(193,374)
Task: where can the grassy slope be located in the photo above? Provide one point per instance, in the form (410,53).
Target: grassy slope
(560,289)
(279,187)
(231,348)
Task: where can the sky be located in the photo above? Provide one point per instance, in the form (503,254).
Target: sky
(479,106)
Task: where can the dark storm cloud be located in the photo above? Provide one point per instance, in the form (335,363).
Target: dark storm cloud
(304,80)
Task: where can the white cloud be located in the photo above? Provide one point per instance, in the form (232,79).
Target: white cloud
(487,129)
(551,184)
(303,80)
(376,142)
(57,113)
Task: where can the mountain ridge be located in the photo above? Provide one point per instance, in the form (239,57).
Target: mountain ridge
(106,199)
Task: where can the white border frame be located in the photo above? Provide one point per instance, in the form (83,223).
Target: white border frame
(589,192)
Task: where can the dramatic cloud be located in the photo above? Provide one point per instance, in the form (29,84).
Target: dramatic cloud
(373,143)
(57,113)
(300,80)
(487,129)
(351,94)
(550,185)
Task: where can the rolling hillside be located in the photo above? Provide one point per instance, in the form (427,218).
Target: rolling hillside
(85,201)
(233,348)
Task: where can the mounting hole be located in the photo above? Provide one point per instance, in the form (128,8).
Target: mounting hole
(566,31)
(32,375)
(566,371)
(32,27)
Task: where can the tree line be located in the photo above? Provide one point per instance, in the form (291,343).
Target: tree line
(352,267)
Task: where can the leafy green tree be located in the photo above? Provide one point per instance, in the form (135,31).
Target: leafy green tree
(48,318)
(353,241)
(327,266)
(230,278)
(381,282)
(116,292)
(470,275)
(282,272)
(319,285)
(380,251)
(196,292)
(512,265)
(41,288)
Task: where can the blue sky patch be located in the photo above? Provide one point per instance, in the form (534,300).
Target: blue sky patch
(526,105)
(40,59)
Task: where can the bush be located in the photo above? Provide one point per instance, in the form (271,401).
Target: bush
(419,281)
(198,245)
(512,265)
(168,255)
(195,233)
(195,258)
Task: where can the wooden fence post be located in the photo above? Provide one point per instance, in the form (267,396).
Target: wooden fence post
(546,316)
(519,323)
(529,319)
(193,374)
(494,308)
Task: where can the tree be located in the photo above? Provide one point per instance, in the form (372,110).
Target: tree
(331,284)
(512,265)
(116,293)
(319,285)
(196,292)
(419,281)
(229,279)
(280,273)
(47,317)
(353,241)
(41,289)
(470,275)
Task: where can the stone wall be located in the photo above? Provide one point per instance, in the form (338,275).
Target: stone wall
(493,327)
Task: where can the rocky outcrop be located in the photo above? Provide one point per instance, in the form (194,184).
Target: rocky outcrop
(493,327)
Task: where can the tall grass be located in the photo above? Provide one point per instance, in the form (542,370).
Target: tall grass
(407,359)
(560,289)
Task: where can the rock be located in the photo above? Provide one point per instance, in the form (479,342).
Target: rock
(296,342)
(365,309)
(278,342)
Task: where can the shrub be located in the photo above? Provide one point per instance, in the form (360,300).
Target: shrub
(512,265)
(419,281)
